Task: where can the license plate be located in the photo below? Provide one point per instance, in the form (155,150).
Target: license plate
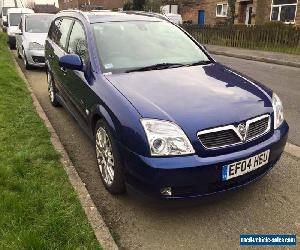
(242,167)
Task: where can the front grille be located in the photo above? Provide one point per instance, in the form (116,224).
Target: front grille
(219,138)
(38,59)
(257,128)
(231,135)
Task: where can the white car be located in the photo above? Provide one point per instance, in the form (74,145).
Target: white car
(174,18)
(13,20)
(30,40)
(3,16)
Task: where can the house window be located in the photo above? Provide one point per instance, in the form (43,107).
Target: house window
(221,10)
(284,10)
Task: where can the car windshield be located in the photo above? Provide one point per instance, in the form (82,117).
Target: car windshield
(126,46)
(38,23)
(14,19)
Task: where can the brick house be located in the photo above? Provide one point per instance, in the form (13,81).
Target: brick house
(246,11)
(45,8)
(91,4)
(261,11)
(201,11)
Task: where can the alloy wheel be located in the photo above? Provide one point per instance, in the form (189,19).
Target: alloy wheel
(24,58)
(105,158)
(50,87)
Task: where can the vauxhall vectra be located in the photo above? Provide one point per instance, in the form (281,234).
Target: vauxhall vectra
(165,117)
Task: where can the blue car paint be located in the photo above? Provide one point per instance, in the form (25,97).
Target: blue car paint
(196,98)
(71,61)
(203,174)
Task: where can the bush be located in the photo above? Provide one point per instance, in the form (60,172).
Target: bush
(275,24)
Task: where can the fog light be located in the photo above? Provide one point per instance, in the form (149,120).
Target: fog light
(167,191)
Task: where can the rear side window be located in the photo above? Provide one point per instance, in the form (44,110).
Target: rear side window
(20,25)
(14,19)
(78,43)
(59,31)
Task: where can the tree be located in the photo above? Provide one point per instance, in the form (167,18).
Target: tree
(28,4)
(143,5)
(138,4)
(231,9)
(127,5)
(153,5)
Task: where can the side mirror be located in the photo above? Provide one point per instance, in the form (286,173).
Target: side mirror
(71,61)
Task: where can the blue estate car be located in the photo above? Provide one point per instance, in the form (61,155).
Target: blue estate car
(165,117)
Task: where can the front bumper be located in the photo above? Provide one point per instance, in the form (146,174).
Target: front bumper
(192,176)
(35,57)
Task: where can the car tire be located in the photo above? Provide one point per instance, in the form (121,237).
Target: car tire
(52,91)
(108,159)
(26,64)
(11,46)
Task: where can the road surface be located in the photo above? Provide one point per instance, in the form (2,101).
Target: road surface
(270,205)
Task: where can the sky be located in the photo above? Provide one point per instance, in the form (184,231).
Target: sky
(11,2)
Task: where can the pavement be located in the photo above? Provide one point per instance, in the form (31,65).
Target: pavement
(95,219)
(256,55)
(271,205)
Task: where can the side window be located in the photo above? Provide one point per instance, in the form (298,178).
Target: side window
(20,24)
(78,43)
(63,32)
(54,30)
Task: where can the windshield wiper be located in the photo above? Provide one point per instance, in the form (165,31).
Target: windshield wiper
(202,62)
(157,66)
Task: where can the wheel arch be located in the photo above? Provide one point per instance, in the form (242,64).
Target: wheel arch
(100,113)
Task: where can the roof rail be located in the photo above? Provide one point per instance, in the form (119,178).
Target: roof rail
(150,14)
(71,10)
(101,11)
(76,11)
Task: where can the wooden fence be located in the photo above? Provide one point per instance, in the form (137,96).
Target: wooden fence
(280,38)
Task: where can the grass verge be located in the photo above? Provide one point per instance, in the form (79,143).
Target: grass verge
(38,207)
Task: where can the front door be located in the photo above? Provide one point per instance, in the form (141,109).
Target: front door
(77,82)
(201,17)
(59,50)
(248,14)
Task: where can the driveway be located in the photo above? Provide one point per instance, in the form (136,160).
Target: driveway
(271,205)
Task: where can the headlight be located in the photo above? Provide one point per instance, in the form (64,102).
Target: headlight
(278,111)
(166,138)
(35,46)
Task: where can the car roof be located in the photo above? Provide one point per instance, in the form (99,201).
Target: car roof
(19,10)
(5,8)
(111,16)
(39,14)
